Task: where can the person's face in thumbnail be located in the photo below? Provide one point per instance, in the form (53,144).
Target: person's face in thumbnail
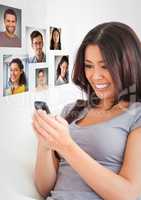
(15,73)
(41,78)
(64,68)
(37,45)
(10,24)
(56,37)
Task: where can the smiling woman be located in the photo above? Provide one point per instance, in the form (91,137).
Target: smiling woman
(55,42)
(17,79)
(62,71)
(98,74)
(98,140)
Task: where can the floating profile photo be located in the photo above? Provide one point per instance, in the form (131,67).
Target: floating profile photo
(55,38)
(36,42)
(10,26)
(41,79)
(15,77)
(61,69)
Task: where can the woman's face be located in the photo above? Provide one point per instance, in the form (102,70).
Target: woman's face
(55,36)
(97,73)
(15,73)
(64,68)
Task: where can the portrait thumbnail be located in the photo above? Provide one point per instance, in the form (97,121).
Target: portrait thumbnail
(10,27)
(61,69)
(41,79)
(15,74)
(36,45)
(55,38)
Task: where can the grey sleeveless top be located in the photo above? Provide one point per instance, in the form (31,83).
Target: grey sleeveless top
(105,142)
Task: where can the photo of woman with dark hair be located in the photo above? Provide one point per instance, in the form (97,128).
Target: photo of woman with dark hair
(62,71)
(55,42)
(17,80)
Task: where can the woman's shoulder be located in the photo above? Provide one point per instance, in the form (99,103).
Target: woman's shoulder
(22,88)
(67,108)
(134,108)
(72,110)
(135,114)
(8,91)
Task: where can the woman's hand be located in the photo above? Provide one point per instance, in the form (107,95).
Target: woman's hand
(41,139)
(53,130)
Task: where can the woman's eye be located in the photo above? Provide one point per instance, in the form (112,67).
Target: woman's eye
(104,67)
(88,66)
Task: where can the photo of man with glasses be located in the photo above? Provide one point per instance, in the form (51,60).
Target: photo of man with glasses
(37,44)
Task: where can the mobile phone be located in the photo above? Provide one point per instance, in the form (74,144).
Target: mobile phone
(41,105)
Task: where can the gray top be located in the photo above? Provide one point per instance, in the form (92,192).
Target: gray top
(105,142)
(61,81)
(6,41)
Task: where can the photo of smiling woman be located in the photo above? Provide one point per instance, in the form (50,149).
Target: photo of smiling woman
(17,82)
(55,41)
(61,70)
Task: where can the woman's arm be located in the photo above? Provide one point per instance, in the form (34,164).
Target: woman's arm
(45,170)
(46,165)
(123,186)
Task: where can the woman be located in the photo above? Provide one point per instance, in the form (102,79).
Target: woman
(17,80)
(62,71)
(100,148)
(55,42)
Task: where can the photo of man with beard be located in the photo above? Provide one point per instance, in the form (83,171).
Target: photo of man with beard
(8,37)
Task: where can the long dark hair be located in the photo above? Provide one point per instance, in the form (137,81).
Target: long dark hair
(52,41)
(22,79)
(121,51)
(66,60)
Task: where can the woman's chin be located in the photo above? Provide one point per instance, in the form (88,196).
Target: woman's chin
(13,81)
(104,95)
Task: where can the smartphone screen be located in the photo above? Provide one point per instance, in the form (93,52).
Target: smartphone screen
(41,105)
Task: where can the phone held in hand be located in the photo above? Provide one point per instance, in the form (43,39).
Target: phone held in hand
(41,105)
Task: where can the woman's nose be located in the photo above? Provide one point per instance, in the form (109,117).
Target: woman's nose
(11,72)
(97,74)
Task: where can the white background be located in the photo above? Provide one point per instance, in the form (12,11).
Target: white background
(75,18)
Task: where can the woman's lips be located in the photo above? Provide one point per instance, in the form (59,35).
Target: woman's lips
(102,86)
